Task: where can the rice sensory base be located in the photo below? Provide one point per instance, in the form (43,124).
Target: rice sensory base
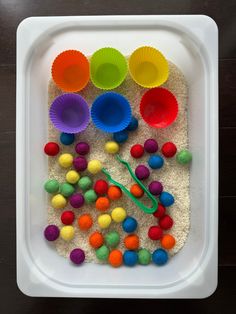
(118,158)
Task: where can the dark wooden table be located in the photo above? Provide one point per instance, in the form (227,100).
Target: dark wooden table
(224,13)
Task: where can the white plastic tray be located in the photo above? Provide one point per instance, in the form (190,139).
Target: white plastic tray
(191,42)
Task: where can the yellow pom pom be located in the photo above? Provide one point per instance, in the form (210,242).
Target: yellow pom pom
(58,201)
(104,221)
(65,160)
(67,233)
(94,166)
(72,176)
(111,147)
(118,214)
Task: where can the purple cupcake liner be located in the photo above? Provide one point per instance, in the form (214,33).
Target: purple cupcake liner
(69,113)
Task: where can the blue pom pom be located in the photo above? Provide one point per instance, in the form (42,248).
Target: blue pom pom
(133,125)
(120,137)
(130,258)
(129,225)
(67,139)
(155,162)
(159,257)
(166,199)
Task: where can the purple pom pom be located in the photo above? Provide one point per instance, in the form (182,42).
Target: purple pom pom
(80,163)
(77,256)
(51,232)
(82,148)
(151,146)
(77,200)
(155,187)
(142,172)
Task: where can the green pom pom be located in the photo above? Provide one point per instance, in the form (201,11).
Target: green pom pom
(112,239)
(184,157)
(144,257)
(85,183)
(66,189)
(102,253)
(90,196)
(51,186)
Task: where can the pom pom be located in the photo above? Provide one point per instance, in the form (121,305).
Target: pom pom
(94,166)
(96,240)
(169,149)
(80,163)
(115,258)
(77,256)
(67,139)
(155,233)
(102,203)
(114,192)
(51,232)
(51,186)
(111,147)
(142,172)
(118,214)
(85,183)
(160,211)
(104,221)
(51,149)
(136,190)
(120,137)
(159,257)
(67,217)
(184,157)
(72,176)
(151,146)
(90,196)
(82,148)
(168,242)
(102,253)
(129,225)
(133,125)
(166,199)
(144,257)
(101,187)
(131,242)
(155,162)
(155,187)
(67,233)
(85,222)
(112,239)
(76,200)
(65,160)
(66,189)
(137,151)
(58,201)
(130,258)
(166,222)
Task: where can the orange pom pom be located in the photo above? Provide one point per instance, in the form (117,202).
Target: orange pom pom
(136,190)
(115,258)
(96,240)
(168,241)
(114,192)
(102,203)
(85,222)
(132,242)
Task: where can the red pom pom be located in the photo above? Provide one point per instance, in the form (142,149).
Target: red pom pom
(160,211)
(169,149)
(67,217)
(51,149)
(101,187)
(137,151)
(155,233)
(166,222)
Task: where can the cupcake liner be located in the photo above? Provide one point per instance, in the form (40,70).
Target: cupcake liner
(111,112)
(148,67)
(69,113)
(108,68)
(70,71)
(159,107)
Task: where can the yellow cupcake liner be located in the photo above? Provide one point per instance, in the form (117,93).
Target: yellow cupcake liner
(148,67)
